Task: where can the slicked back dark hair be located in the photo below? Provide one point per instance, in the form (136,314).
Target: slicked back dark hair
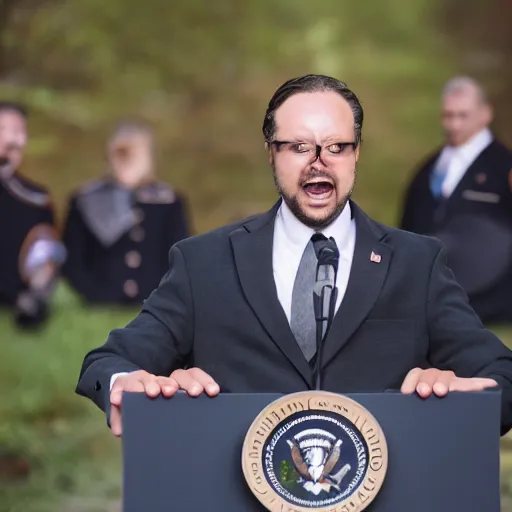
(311,83)
(13,106)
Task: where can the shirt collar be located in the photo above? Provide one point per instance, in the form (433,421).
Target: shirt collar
(474,146)
(298,234)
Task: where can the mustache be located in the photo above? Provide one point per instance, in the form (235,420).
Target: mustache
(316,173)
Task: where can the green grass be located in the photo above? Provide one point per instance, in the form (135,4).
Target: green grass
(62,436)
(75,462)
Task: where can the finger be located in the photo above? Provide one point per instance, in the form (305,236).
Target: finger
(442,383)
(206,381)
(426,382)
(168,386)
(115,421)
(489,383)
(151,385)
(187,382)
(122,384)
(473,384)
(116,396)
(411,380)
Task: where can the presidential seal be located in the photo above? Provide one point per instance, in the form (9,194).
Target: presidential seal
(315,450)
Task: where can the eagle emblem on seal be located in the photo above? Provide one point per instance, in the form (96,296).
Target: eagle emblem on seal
(316,454)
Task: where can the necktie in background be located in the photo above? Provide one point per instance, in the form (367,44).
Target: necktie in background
(439,173)
(302,321)
(436,182)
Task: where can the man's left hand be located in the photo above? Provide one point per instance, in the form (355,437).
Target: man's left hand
(440,382)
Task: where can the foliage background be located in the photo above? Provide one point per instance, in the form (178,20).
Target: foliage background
(202,73)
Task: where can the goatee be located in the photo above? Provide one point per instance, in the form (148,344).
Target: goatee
(312,222)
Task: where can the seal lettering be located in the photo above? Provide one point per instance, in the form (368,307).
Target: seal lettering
(315,451)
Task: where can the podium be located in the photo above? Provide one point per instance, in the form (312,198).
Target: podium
(184,454)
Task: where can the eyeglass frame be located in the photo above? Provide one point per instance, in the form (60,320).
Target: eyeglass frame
(318,147)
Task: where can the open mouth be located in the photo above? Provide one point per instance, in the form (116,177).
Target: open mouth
(318,189)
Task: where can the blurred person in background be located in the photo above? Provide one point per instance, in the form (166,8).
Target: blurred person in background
(462,194)
(119,229)
(31,251)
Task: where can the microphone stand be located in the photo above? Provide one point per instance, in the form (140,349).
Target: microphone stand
(324,303)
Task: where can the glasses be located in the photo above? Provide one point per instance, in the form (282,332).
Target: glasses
(331,152)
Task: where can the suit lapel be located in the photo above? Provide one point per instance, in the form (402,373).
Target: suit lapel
(364,284)
(252,246)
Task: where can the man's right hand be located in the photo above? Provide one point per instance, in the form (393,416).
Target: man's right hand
(194,381)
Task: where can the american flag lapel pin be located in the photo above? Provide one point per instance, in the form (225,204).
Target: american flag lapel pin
(375,258)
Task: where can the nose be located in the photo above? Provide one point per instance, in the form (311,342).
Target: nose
(317,155)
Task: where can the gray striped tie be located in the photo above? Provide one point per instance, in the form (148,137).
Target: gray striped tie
(302,321)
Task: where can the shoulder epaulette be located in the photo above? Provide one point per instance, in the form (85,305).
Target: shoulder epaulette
(157,192)
(25,191)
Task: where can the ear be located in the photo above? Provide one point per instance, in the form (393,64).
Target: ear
(357,150)
(488,114)
(268,149)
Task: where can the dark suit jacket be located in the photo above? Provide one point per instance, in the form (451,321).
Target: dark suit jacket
(99,272)
(217,309)
(25,206)
(477,217)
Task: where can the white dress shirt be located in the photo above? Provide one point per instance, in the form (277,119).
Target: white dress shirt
(455,161)
(290,240)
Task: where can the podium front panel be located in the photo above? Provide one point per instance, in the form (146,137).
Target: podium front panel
(184,454)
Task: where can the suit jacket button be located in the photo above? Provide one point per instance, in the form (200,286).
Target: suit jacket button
(137,234)
(131,288)
(139,215)
(132,259)
(97,386)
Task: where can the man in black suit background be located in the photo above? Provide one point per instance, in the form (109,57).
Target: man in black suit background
(462,194)
(31,251)
(234,311)
(119,228)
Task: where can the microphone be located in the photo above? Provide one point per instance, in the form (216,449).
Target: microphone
(325,293)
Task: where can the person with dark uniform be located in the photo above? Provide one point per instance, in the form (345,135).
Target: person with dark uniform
(120,228)
(462,194)
(31,252)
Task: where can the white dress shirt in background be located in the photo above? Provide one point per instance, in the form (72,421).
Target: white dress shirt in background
(455,161)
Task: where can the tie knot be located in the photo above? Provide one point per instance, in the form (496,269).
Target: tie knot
(326,250)
(319,241)
(317,237)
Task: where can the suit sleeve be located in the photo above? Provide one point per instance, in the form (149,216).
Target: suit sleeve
(158,339)
(405,220)
(414,196)
(412,204)
(47,216)
(458,339)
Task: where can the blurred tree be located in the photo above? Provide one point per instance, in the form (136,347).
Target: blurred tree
(202,73)
(6,9)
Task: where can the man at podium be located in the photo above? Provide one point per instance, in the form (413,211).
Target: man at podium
(311,294)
